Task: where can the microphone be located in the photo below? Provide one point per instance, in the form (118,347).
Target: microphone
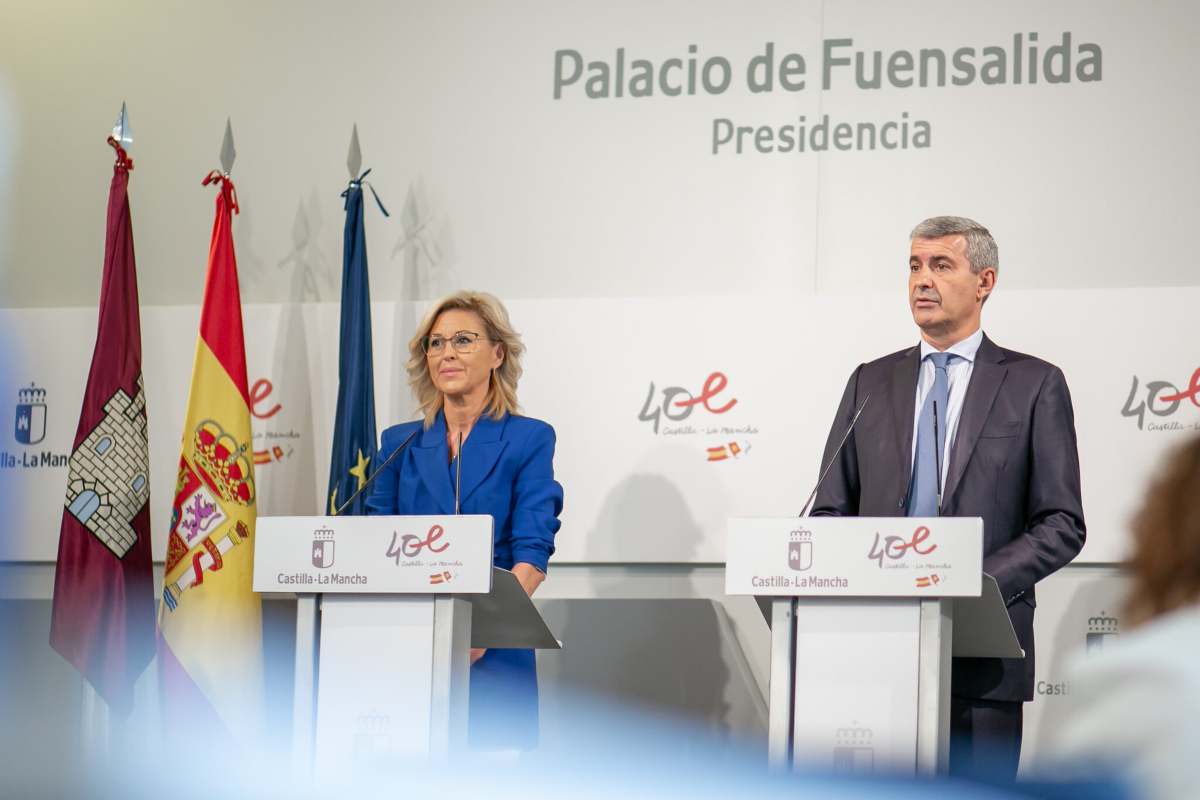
(836,453)
(458,473)
(937,458)
(403,446)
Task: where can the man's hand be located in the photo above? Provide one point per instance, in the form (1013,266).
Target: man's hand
(477,653)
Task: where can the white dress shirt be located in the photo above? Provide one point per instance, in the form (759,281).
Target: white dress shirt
(959,373)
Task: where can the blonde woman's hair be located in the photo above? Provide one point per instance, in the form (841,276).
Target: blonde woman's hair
(502,388)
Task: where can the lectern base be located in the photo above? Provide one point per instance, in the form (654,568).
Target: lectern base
(385,688)
(868,681)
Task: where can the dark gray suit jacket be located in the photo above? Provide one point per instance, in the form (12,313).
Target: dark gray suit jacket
(1014,462)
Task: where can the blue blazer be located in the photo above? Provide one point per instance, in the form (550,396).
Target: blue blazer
(507,472)
(1014,462)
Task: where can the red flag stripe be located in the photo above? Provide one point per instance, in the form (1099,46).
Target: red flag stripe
(220,329)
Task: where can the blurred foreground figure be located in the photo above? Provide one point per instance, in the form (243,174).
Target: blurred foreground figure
(1134,710)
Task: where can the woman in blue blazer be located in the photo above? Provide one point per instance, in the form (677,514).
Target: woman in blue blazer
(464,364)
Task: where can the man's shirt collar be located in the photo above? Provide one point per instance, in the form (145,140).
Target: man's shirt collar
(966,349)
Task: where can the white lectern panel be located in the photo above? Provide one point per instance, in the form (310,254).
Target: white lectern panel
(374,555)
(856,685)
(376,677)
(854,556)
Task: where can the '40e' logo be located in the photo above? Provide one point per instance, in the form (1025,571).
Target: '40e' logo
(676,403)
(410,546)
(895,547)
(1162,398)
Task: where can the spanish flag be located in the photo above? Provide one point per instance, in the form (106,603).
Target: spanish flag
(210,620)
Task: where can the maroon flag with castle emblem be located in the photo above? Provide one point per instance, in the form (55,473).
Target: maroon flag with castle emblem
(103,616)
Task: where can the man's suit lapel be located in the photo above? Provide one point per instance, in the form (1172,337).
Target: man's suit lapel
(902,389)
(433,463)
(986,377)
(480,453)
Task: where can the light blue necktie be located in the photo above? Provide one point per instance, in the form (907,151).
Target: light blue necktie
(922,495)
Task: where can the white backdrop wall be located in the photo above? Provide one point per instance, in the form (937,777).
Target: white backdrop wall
(642,485)
(637,252)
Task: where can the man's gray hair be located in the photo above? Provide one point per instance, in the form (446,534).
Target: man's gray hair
(981,247)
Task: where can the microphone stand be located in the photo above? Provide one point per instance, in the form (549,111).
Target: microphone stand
(458,473)
(403,446)
(808,503)
(937,458)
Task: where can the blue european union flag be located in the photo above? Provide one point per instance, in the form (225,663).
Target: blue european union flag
(354,443)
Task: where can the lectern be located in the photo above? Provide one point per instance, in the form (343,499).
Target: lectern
(865,615)
(387,610)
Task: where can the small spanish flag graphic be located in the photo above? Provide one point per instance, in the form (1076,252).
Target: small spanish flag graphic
(274,453)
(724,451)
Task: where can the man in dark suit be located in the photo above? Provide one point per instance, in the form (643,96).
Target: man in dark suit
(1003,448)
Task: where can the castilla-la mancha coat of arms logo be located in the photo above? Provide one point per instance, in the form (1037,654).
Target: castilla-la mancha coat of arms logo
(322,548)
(30,424)
(800,550)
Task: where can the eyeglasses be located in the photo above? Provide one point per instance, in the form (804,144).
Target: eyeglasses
(463,342)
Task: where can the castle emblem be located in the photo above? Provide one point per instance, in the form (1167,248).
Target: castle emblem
(854,750)
(30,425)
(1101,631)
(108,474)
(800,550)
(322,548)
(372,736)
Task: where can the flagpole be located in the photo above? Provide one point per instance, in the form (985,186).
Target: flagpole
(96,725)
(228,151)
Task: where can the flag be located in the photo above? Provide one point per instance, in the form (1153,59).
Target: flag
(210,619)
(354,425)
(102,619)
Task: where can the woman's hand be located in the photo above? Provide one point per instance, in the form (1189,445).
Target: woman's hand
(529,576)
